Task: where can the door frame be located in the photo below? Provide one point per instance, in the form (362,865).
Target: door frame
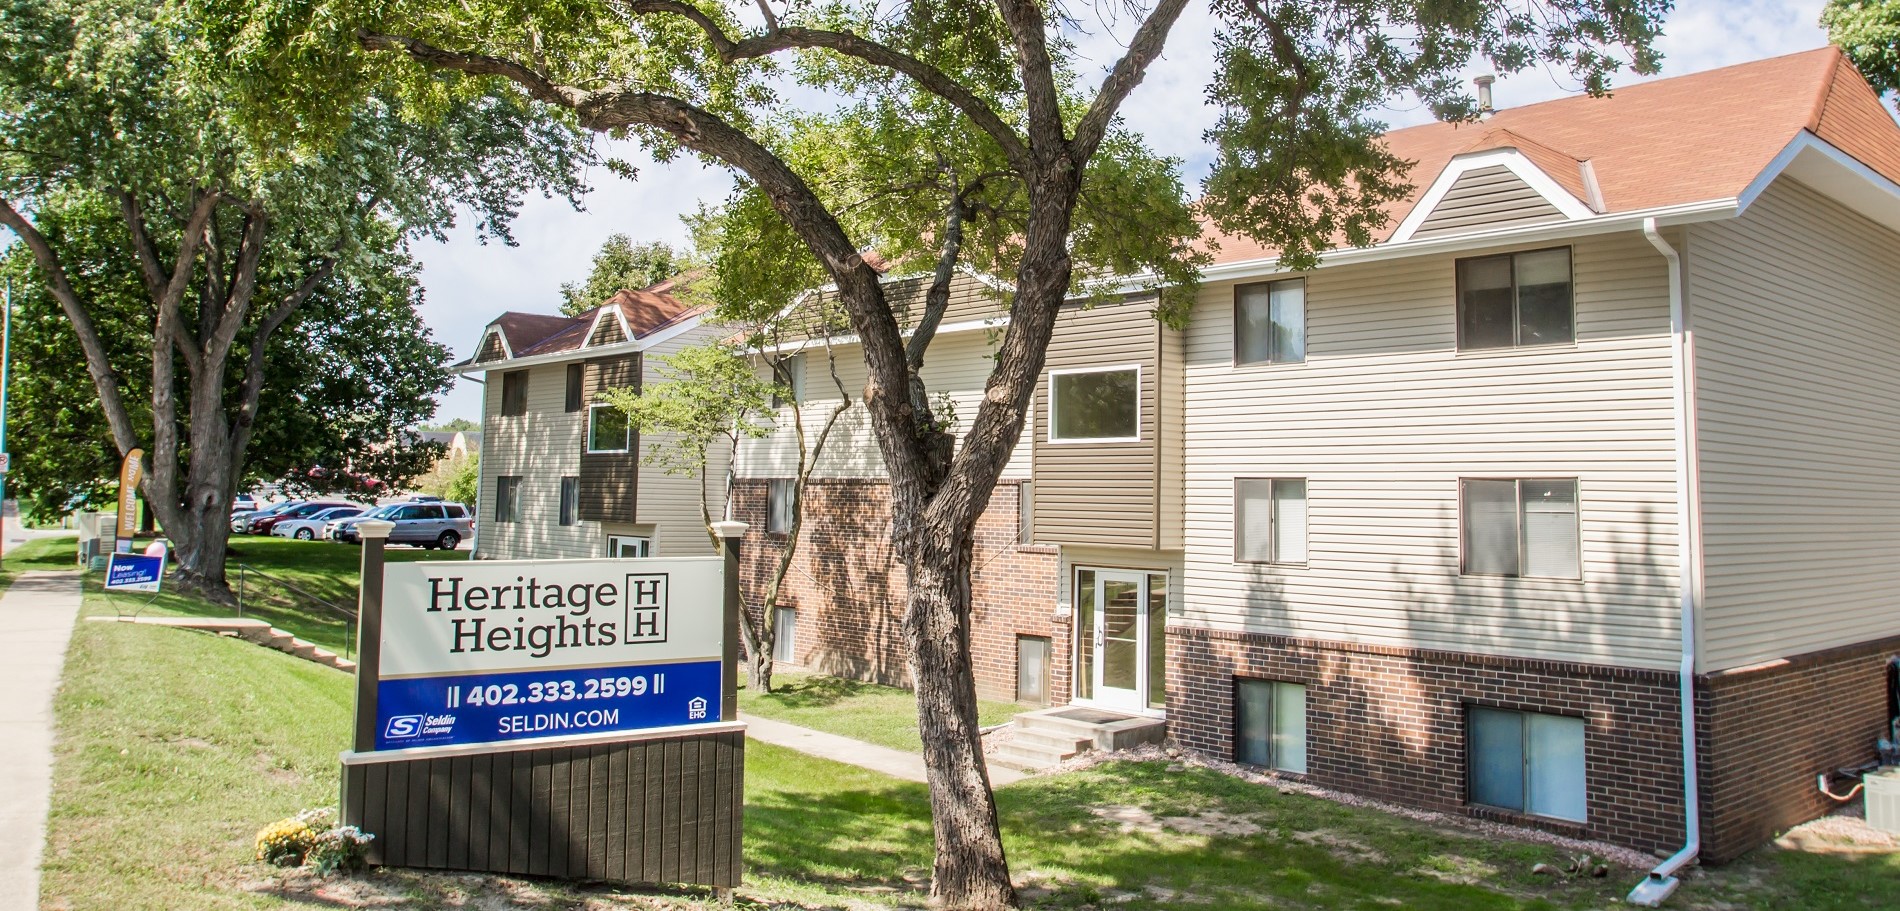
(1144,686)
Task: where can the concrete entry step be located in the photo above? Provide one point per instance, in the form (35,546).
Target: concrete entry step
(1047,737)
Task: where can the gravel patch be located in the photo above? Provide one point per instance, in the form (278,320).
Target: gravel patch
(1845,831)
(1621,856)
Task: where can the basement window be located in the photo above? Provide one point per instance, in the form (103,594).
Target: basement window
(1270,724)
(1526,761)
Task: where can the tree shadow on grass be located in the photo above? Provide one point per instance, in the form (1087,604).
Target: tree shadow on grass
(817,691)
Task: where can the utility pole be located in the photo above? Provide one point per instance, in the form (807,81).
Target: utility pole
(6,365)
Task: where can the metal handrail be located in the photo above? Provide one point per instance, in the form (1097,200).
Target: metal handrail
(348,615)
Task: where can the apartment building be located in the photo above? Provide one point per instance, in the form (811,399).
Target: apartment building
(1448,519)
(562,474)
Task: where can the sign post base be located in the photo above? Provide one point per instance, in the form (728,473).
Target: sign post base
(643,809)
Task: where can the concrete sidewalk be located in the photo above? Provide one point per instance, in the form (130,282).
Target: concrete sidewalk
(895,763)
(37,613)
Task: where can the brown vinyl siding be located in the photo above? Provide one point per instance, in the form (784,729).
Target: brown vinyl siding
(1485,198)
(492,349)
(1796,313)
(1091,492)
(610,482)
(608,333)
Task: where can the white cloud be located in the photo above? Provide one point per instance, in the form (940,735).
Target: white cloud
(468,284)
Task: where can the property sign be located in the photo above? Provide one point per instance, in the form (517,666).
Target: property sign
(6,462)
(134,572)
(498,651)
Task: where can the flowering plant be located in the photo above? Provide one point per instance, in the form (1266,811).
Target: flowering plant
(310,838)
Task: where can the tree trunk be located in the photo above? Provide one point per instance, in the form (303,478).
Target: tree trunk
(971,872)
(760,671)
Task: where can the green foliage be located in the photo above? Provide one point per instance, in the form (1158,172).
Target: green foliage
(621,263)
(464,483)
(707,393)
(342,380)
(1869,32)
(454,425)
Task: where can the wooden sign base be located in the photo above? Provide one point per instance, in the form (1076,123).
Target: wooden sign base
(653,808)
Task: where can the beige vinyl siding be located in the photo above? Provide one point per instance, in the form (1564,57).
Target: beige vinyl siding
(540,447)
(1090,492)
(957,363)
(1485,198)
(669,504)
(1796,313)
(1384,418)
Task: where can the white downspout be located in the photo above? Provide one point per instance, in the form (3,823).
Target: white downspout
(1661,882)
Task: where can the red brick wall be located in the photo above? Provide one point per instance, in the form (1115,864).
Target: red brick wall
(849,588)
(1765,732)
(1389,722)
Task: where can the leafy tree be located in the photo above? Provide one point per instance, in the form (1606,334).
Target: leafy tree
(621,263)
(1869,32)
(122,106)
(1030,174)
(342,379)
(464,483)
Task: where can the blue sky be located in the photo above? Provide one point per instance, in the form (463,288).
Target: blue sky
(468,283)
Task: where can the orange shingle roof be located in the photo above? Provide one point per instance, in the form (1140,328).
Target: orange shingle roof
(1704,136)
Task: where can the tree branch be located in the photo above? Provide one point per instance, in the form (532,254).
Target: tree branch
(169,292)
(1147,44)
(104,380)
(1047,137)
(777,38)
(937,299)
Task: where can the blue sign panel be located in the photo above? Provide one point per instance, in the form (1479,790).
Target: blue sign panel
(134,572)
(520,705)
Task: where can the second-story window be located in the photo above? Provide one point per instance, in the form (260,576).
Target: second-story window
(507,498)
(1102,404)
(1270,520)
(570,500)
(608,430)
(1515,300)
(576,382)
(514,393)
(778,506)
(1521,527)
(1270,323)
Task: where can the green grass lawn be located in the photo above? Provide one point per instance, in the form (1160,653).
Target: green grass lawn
(38,554)
(884,715)
(176,746)
(320,569)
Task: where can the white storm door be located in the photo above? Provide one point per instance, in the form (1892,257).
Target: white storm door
(1121,640)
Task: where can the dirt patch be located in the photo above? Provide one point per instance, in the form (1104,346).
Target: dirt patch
(1206,824)
(1844,832)
(1455,868)
(1342,846)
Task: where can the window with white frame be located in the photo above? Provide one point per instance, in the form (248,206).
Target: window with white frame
(1270,520)
(608,429)
(1521,527)
(1102,404)
(1516,299)
(785,635)
(570,500)
(1270,724)
(622,546)
(1526,761)
(507,498)
(1270,322)
(778,506)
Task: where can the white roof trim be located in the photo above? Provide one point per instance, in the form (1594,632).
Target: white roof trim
(659,337)
(601,314)
(1819,164)
(1518,163)
(494,329)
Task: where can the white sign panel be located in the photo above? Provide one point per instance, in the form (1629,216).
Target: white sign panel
(491,651)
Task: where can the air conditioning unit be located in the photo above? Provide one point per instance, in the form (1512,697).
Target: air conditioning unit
(1883,799)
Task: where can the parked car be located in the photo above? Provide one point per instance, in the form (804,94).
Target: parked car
(263,524)
(308,528)
(241,522)
(428,525)
(243,502)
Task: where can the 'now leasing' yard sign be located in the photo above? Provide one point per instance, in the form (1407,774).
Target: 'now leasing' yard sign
(564,718)
(489,652)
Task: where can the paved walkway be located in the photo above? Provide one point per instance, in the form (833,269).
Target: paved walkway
(895,763)
(37,615)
